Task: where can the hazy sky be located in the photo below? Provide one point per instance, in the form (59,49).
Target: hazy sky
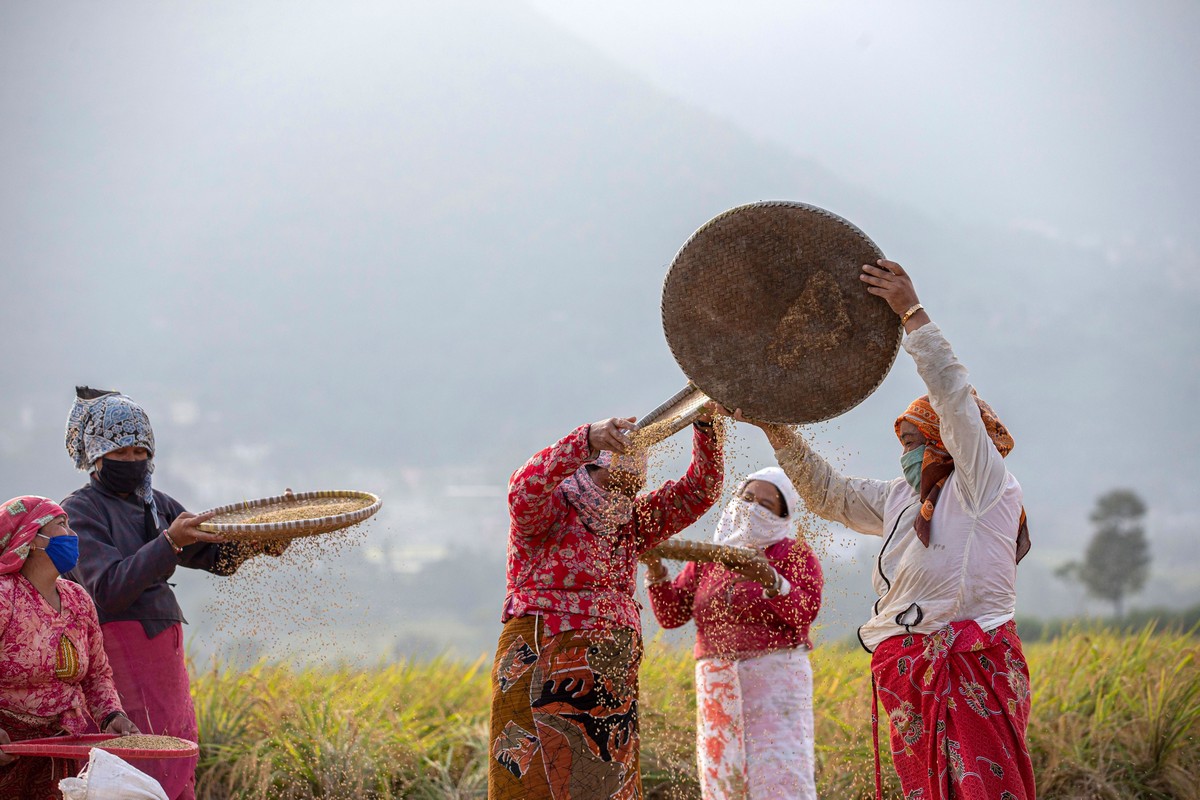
(1073,117)
(360,243)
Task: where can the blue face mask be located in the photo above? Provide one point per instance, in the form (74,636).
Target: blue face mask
(910,462)
(63,552)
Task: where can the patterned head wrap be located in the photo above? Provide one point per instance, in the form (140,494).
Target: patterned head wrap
(102,421)
(634,462)
(20,520)
(604,512)
(937,464)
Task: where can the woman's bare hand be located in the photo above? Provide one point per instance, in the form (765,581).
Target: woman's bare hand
(122,726)
(185,529)
(888,280)
(609,434)
(656,571)
(5,758)
(756,569)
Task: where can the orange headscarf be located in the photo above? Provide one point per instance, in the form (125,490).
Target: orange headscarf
(937,464)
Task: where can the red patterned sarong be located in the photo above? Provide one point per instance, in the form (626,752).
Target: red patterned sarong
(958,702)
(564,714)
(33,777)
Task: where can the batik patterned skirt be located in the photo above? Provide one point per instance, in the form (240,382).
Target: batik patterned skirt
(564,714)
(958,703)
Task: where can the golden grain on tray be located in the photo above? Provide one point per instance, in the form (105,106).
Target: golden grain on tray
(143,741)
(309,511)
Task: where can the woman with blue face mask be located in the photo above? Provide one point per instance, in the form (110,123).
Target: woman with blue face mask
(54,674)
(132,537)
(946,657)
(754,690)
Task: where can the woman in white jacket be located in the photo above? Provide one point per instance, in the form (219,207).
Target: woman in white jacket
(946,657)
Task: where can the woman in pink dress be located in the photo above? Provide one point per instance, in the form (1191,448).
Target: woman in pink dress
(54,675)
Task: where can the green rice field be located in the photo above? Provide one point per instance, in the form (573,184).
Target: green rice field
(1115,715)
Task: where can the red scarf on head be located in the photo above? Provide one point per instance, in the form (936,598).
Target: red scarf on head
(20,520)
(938,463)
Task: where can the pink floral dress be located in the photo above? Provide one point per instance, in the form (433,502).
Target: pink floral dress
(54,677)
(53,667)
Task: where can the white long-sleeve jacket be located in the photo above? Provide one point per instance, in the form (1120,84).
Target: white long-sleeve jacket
(969,570)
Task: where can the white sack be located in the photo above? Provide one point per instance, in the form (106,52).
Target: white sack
(107,777)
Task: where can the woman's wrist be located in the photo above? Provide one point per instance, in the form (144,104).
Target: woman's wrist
(656,576)
(171,541)
(112,716)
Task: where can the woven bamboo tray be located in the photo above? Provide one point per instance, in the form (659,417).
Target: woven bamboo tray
(80,746)
(244,520)
(691,550)
(764,310)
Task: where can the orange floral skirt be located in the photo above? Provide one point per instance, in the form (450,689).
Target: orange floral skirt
(564,714)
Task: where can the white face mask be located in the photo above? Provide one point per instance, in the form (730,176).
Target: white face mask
(746,524)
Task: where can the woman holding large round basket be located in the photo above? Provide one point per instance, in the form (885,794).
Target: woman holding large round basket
(947,660)
(54,676)
(754,691)
(132,537)
(564,718)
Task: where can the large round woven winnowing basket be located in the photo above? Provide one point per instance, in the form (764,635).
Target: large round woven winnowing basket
(764,310)
(291,515)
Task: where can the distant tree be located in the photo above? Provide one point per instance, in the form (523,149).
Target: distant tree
(1117,560)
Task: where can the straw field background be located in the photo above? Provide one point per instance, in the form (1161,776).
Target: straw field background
(1115,715)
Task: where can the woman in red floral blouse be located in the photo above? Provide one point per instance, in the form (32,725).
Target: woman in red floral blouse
(754,690)
(564,683)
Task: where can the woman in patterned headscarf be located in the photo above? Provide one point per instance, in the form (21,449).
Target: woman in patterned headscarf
(131,539)
(947,660)
(54,675)
(565,680)
(754,690)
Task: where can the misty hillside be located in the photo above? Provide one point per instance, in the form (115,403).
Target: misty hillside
(402,247)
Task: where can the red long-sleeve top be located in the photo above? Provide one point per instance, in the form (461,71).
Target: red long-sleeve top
(574,578)
(734,618)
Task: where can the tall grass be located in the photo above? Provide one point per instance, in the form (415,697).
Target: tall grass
(1114,716)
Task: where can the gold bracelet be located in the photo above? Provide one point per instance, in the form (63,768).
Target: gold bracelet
(171,542)
(907,315)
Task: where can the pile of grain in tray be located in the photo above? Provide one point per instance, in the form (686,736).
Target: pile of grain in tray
(144,741)
(309,510)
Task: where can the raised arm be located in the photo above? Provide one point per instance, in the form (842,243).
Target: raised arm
(677,504)
(856,503)
(979,467)
(532,502)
